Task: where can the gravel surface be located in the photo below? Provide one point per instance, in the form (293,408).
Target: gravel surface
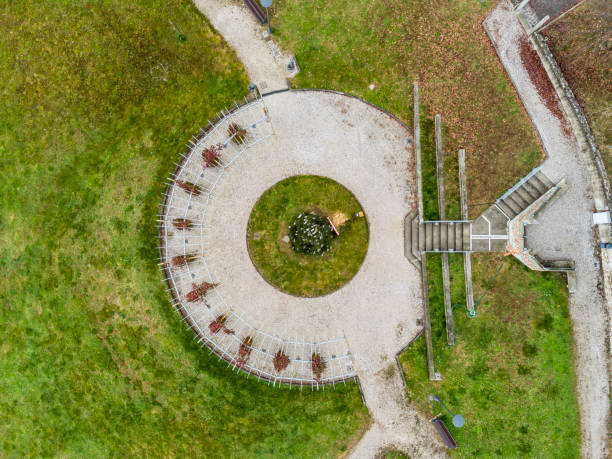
(371,154)
(240,29)
(565,231)
(368,153)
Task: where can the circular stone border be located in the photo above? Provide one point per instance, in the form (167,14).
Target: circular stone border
(337,286)
(391,311)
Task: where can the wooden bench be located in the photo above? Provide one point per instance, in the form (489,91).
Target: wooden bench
(253,5)
(448,439)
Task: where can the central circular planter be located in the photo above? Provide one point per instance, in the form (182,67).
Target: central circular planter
(307,235)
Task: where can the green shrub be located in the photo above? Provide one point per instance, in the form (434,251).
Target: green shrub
(310,234)
(529,350)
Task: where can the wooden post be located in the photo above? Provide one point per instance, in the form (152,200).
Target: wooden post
(424,281)
(467,260)
(540,23)
(417,151)
(448,309)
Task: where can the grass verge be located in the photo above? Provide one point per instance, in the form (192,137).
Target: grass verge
(348,45)
(516,353)
(98,99)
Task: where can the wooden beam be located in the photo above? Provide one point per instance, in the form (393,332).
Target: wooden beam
(448,308)
(424,277)
(417,151)
(467,260)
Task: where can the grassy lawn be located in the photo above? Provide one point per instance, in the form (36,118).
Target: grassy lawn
(97,102)
(516,353)
(306,275)
(510,373)
(578,42)
(349,44)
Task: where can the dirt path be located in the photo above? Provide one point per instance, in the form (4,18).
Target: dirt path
(240,29)
(565,229)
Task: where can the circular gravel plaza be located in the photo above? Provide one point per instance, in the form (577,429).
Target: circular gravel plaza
(228,253)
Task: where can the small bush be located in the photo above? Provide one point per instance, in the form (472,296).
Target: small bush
(545,323)
(281,361)
(238,133)
(211,155)
(217,324)
(552,390)
(318,365)
(523,370)
(529,350)
(524,448)
(182,260)
(244,351)
(199,291)
(310,234)
(182,223)
(189,187)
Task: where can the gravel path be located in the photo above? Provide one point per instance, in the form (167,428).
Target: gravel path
(240,29)
(565,231)
(369,153)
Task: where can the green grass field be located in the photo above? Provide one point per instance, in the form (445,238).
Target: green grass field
(97,102)
(306,275)
(511,370)
(510,373)
(349,44)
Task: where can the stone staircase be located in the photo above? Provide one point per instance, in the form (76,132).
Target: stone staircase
(488,233)
(434,236)
(524,193)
